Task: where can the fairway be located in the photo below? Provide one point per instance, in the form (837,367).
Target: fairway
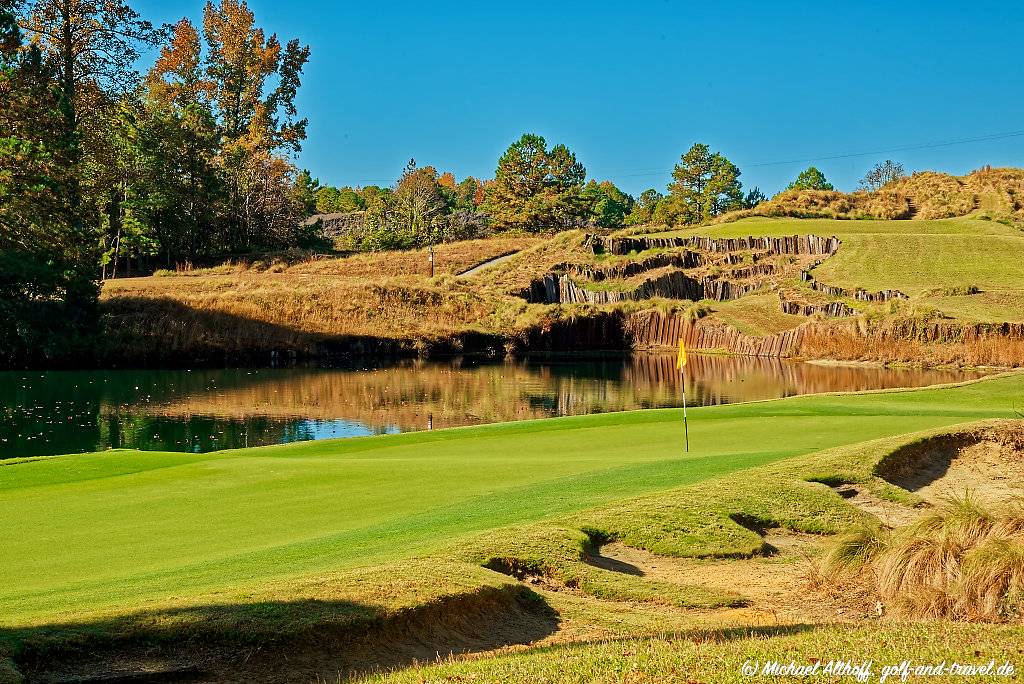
(116,529)
(918,257)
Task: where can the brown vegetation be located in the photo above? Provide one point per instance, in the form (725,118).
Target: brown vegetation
(896,343)
(964,561)
(451,258)
(999,193)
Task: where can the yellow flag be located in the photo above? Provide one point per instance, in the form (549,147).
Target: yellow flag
(681,359)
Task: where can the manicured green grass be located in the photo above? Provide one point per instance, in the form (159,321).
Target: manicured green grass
(755,314)
(913,256)
(113,531)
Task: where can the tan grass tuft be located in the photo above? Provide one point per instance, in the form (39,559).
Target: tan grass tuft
(964,561)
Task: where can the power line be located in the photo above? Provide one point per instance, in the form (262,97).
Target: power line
(851,155)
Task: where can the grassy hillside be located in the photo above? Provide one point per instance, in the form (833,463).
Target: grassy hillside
(956,272)
(718,656)
(917,257)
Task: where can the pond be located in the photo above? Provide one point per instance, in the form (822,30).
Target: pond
(58,412)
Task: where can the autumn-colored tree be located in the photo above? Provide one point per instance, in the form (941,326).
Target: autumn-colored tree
(246,83)
(447,180)
(178,78)
(704,185)
(537,188)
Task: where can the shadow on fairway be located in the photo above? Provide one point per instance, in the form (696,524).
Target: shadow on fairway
(276,641)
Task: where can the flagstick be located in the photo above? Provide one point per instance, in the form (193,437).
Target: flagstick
(686,425)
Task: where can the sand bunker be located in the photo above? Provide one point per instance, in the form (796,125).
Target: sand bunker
(986,462)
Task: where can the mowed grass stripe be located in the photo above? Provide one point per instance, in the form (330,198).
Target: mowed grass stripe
(221,521)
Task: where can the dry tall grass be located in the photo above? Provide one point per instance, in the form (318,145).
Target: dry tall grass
(964,562)
(847,343)
(923,195)
(257,312)
(451,258)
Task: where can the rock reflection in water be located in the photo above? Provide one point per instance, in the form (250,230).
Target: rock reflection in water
(203,410)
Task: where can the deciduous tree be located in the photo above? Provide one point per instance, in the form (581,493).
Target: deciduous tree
(882,173)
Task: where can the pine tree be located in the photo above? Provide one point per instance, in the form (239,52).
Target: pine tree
(704,185)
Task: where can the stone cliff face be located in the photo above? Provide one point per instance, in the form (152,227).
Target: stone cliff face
(795,244)
(704,268)
(651,329)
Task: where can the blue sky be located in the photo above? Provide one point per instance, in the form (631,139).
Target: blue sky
(630,86)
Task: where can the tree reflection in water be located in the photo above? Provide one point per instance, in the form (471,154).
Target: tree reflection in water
(205,410)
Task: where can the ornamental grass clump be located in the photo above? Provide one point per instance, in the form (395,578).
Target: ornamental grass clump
(965,561)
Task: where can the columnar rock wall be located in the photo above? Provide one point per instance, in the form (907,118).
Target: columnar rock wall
(561,289)
(685,259)
(831,309)
(860,294)
(648,329)
(795,244)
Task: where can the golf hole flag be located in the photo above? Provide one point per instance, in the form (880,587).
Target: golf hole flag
(681,367)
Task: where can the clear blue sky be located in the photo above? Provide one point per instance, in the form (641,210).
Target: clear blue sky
(629,86)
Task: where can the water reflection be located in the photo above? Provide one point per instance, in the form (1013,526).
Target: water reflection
(204,410)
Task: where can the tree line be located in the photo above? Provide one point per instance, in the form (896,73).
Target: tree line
(542,187)
(107,170)
(103,167)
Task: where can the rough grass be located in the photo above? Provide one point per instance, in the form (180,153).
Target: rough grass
(963,561)
(718,655)
(851,344)
(382,301)
(283,311)
(450,258)
(755,314)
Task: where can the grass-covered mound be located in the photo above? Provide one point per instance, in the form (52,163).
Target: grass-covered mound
(961,299)
(998,194)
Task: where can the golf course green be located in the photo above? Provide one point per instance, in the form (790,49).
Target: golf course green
(112,531)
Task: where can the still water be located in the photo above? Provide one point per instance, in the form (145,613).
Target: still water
(202,410)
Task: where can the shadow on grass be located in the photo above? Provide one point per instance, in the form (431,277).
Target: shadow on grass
(276,641)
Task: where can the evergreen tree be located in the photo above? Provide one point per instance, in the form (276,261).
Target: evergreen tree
(810,179)
(536,188)
(48,266)
(705,184)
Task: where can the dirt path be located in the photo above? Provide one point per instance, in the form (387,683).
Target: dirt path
(487,264)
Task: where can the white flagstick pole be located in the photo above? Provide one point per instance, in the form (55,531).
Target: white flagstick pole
(686,424)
